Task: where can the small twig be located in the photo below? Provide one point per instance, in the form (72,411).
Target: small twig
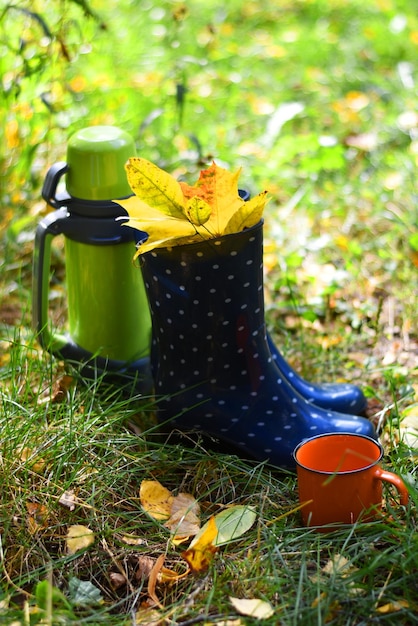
(382,591)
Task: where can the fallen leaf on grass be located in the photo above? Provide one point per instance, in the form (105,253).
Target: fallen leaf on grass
(231,524)
(117,580)
(84,593)
(180,513)
(223,528)
(132,540)
(153,578)
(144,567)
(68,499)
(260,609)
(31,458)
(37,516)
(338,565)
(149,617)
(169,576)
(392,607)
(184,521)
(156,500)
(201,551)
(234,522)
(78,538)
(59,391)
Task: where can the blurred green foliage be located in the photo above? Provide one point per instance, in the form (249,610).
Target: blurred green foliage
(315,99)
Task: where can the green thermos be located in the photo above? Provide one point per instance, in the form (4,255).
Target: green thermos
(109,324)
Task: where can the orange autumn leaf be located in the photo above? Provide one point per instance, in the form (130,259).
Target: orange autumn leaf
(219,188)
(176,213)
(201,552)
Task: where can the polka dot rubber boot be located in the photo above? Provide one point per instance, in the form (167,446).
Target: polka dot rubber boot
(341,397)
(212,367)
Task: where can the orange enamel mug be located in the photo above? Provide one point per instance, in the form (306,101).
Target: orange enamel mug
(340,479)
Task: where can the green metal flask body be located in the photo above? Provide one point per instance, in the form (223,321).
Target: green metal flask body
(109,323)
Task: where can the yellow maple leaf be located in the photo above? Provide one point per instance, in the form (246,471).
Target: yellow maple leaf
(249,214)
(176,213)
(155,186)
(162,230)
(198,211)
(219,188)
(201,552)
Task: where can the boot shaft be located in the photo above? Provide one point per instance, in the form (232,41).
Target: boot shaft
(207,307)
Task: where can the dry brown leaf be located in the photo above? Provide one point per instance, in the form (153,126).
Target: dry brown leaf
(78,538)
(180,513)
(184,520)
(37,518)
(169,576)
(68,499)
(117,580)
(59,391)
(145,565)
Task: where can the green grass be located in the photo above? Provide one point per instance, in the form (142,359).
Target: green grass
(340,295)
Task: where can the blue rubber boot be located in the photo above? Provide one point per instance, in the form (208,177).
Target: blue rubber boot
(212,367)
(341,397)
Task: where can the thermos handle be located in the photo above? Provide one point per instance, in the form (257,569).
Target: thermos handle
(51,226)
(49,188)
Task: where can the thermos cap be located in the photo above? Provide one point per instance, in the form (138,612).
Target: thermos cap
(96,157)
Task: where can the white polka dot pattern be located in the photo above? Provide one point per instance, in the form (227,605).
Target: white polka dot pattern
(211,361)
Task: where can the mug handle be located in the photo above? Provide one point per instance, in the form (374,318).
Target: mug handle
(394,480)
